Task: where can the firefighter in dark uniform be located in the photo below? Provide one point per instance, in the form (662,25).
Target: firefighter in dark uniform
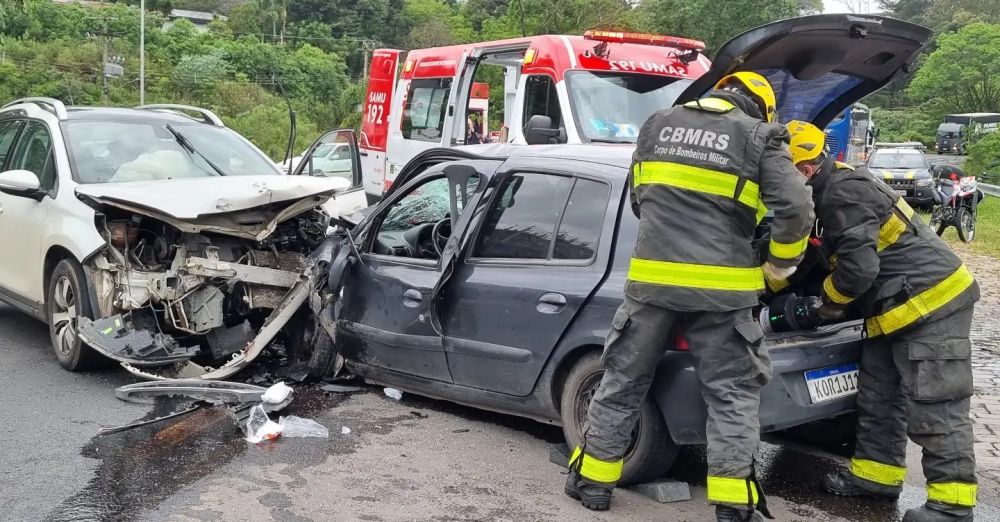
(702,177)
(917,298)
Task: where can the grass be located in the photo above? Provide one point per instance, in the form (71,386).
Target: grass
(987,241)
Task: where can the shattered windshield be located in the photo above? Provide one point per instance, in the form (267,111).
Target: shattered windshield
(610,107)
(428,203)
(118,151)
(897,160)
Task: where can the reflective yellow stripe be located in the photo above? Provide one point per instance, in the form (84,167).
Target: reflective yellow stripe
(596,469)
(725,490)
(761,211)
(952,493)
(910,174)
(842,166)
(894,227)
(788,250)
(877,472)
(832,292)
(712,104)
(690,275)
(922,304)
(688,177)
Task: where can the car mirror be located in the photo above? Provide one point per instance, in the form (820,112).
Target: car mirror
(539,131)
(20,183)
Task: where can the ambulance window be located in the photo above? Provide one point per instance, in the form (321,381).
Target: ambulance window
(424,112)
(541,98)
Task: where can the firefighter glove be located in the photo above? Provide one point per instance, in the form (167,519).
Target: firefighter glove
(775,273)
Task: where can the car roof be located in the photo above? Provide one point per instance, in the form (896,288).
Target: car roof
(896,150)
(124,115)
(605,154)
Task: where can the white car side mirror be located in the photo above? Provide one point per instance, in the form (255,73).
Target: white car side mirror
(19,183)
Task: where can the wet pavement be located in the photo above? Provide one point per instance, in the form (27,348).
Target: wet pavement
(415,459)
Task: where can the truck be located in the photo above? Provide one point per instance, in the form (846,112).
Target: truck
(596,88)
(851,136)
(959,130)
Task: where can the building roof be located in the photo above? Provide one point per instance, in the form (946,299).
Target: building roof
(195,16)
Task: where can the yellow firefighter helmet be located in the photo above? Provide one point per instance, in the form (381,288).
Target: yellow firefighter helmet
(807,141)
(758,87)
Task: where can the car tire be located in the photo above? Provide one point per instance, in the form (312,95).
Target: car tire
(309,346)
(838,432)
(66,300)
(652,451)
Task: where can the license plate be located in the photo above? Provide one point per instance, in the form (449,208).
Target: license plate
(826,384)
(901,192)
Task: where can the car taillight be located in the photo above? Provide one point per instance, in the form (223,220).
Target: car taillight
(644,38)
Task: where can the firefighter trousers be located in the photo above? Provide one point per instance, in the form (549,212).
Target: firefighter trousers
(918,383)
(731,368)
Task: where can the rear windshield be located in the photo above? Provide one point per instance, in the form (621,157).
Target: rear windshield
(610,107)
(890,159)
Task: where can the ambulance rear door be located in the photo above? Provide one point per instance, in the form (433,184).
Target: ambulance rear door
(375,120)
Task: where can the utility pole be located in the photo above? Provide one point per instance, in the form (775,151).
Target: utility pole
(105,94)
(142,52)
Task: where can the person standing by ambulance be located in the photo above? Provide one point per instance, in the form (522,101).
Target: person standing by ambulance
(916,370)
(703,176)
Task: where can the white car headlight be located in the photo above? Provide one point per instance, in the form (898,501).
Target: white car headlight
(924,182)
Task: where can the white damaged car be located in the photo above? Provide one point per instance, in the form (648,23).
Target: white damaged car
(154,236)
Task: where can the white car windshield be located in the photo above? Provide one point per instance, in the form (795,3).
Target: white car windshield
(611,107)
(888,159)
(119,151)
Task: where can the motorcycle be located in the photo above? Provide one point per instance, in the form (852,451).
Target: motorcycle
(956,197)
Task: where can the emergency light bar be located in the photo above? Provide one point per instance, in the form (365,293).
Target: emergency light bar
(644,38)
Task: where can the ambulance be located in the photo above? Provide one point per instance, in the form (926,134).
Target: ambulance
(595,88)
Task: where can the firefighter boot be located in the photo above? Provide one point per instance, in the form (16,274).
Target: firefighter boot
(592,495)
(934,512)
(731,514)
(845,484)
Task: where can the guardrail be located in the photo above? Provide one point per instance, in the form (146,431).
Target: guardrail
(992,190)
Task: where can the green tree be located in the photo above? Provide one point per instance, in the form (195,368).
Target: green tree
(963,73)
(984,157)
(715,22)
(435,23)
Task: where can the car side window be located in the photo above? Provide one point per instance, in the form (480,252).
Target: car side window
(581,224)
(424,110)
(541,98)
(410,223)
(34,153)
(544,217)
(8,132)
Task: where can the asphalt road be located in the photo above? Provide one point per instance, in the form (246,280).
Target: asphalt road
(416,459)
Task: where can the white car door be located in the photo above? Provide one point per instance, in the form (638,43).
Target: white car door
(24,218)
(343,143)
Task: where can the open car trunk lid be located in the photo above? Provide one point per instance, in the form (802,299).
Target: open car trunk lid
(818,65)
(242,206)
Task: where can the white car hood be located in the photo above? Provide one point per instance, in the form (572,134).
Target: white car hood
(242,206)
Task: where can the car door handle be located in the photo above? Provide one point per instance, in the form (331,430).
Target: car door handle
(551,303)
(412,298)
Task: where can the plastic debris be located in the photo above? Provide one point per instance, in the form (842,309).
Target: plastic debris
(341,388)
(276,394)
(345,430)
(293,426)
(393,393)
(260,427)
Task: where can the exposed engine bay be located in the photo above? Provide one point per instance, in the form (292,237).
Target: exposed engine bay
(192,302)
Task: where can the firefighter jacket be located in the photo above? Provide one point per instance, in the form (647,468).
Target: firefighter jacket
(702,178)
(886,260)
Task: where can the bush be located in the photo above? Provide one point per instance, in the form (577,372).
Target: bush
(984,158)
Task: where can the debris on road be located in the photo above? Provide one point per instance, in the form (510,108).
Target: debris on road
(340,388)
(664,491)
(293,426)
(147,422)
(211,391)
(276,394)
(559,455)
(463,430)
(393,393)
(345,430)
(418,414)
(260,427)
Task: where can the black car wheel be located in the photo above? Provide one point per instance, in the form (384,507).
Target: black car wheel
(309,346)
(966,221)
(651,452)
(66,301)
